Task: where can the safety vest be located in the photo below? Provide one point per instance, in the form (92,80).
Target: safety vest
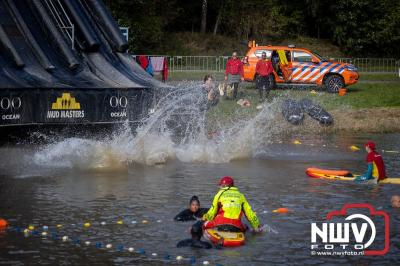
(229,203)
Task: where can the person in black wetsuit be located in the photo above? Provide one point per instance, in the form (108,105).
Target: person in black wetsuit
(193,213)
(195,241)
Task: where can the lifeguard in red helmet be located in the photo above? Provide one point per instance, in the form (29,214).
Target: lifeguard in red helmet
(228,207)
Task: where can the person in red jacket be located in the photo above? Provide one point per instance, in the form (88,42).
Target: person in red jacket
(234,73)
(376,167)
(264,70)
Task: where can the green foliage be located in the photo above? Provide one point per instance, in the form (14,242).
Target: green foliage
(359,27)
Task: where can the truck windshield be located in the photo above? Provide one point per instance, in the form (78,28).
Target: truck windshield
(319,57)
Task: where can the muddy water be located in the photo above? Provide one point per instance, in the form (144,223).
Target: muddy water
(62,191)
(150,176)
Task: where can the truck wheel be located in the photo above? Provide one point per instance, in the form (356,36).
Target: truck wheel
(333,83)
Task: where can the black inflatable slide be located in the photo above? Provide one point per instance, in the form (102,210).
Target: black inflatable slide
(66,62)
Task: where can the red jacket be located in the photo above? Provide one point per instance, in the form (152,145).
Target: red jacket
(378,167)
(264,68)
(234,67)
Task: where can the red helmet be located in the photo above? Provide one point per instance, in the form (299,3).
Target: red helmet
(226,180)
(370,144)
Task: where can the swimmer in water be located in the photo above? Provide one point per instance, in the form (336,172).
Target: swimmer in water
(395,201)
(193,213)
(195,242)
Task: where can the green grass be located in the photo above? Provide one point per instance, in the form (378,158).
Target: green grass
(378,90)
(194,75)
(379,77)
(199,75)
(365,95)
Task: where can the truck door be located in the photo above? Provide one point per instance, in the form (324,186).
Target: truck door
(285,64)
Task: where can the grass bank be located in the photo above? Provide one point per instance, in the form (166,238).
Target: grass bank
(369,107)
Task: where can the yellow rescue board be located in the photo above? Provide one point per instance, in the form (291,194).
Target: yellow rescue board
(227,239)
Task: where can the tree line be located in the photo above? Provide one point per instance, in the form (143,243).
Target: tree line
(359,27)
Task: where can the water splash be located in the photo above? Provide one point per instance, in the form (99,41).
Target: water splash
(177,129)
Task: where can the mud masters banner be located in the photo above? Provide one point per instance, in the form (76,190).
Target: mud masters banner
(65,106)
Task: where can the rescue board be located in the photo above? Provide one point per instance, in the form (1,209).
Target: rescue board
(224,238)
(343,175)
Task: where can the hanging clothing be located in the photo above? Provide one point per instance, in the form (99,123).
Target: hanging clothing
(165,70)
(143,61)
(157,63)
(149,68)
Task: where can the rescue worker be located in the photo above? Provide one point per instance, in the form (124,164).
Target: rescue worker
(234,73)
(376,167)
(264,70)
(227,209)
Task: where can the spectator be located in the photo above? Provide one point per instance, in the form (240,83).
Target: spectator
(264,70)
(234,73)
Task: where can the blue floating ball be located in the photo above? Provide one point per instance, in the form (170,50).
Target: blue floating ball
(35,233)
(218,264)
(192,260)
(141,251)
(77,241)
(98,245)
(54,236)
(17,229)
(167,256)
(120,248)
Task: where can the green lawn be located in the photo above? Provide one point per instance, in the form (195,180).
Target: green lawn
(379,77)
(365,95)
(199,75)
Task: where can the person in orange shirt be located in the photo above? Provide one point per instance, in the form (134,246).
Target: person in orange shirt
(264,70)
(234,73)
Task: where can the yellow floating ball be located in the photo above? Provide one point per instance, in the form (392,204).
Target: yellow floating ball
(31,227)
(120,222)
(145,221)
(59,225)
(87,225)
(297,142)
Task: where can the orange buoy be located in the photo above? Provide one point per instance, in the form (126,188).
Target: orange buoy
(3,224)
(342,91)
(281,210)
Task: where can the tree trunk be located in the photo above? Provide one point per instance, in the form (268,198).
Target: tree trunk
(218,18)
(204,16)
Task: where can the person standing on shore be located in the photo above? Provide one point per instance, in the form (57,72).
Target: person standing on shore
(264,70)
(234,73)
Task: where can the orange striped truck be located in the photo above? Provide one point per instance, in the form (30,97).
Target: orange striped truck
(300,67)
